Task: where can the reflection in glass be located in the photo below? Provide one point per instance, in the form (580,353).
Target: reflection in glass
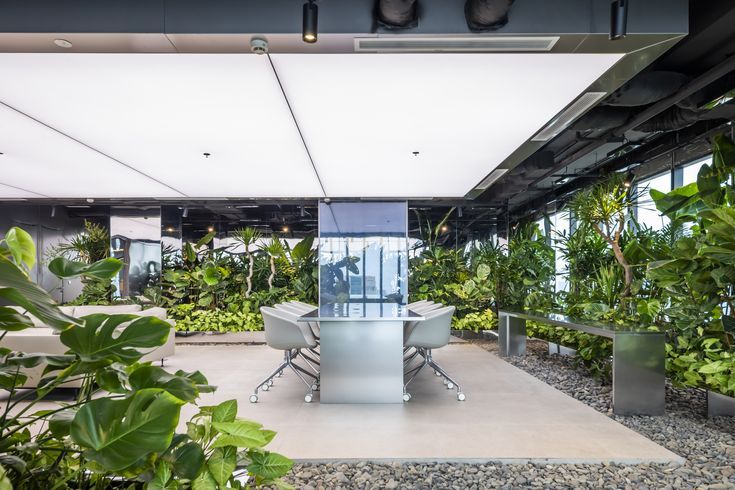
(135,236)
(363,252)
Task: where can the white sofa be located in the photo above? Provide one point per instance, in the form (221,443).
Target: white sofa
(46,340)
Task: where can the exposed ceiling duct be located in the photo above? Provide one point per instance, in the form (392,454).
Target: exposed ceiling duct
(397,14)
(602,118)
(486,15)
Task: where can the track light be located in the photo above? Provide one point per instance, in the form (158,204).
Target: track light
(311,16)
(459,212)
(185,213)
(628,182)
(618,19)
(53,211)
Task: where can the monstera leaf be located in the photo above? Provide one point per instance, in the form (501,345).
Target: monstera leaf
(117,434)
(17,289)
(21,247)
(180,385)
(102,269)
(11,320)
(104,338)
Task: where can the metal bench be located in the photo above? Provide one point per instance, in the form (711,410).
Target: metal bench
(639,375)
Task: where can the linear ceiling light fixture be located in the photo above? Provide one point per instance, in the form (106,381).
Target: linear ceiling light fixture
(310,22)
(618,19)
(572,112)
(488,44)
(492,178)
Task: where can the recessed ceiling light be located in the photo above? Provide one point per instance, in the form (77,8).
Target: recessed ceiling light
(63,43)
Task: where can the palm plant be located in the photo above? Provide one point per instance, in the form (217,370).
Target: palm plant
(248,237)
(605,207)
(274,249)
(89,246)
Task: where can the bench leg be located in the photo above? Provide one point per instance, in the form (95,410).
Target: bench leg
(639,374)
(511,335)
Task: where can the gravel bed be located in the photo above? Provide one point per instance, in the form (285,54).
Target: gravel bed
(707,445)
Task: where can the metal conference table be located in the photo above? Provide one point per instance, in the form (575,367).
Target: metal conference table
(361,351)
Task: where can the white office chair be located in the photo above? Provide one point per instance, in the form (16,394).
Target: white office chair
(310,326)
(282,332)
(431,333)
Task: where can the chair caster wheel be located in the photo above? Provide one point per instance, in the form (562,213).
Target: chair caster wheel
(270,382)
(308,398)
(253,398)
(461,397)
(450,385)
(315,387)
(437,373)
(406,397)
(280,373)
(265,387)
(445,381)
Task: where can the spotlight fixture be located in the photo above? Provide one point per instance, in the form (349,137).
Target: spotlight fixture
(618,19)
(628,182)
(210,229)
(185,213)
(53,211)
(444,228)
(63,43)
(459,212)
(285,229)
(170,229)
(311,17)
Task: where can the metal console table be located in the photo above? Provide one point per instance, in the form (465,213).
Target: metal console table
(639,375)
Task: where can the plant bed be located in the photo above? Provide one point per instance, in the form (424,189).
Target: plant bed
(720,405)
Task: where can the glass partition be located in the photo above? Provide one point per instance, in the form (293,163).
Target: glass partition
(363,253)
(135,236)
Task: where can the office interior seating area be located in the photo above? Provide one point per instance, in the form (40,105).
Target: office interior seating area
(374,244)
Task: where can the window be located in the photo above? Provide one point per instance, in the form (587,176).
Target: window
(647,214)
(689,172)
(560,224)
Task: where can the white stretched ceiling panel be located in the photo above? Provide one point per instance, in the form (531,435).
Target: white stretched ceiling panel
(159,113)
(39,159)
(363,116)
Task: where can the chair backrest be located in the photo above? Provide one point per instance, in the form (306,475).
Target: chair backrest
(282,332)
(305,305)
(424,308)
(299,311)
(419,302)
(434,331)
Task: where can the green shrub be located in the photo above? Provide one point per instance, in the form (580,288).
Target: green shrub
(221,320)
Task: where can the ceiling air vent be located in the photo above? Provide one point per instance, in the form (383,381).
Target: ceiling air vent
(401,44)
(560,122)
(490,179)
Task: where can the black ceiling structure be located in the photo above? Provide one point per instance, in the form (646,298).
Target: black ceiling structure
(659,111)
(661,115)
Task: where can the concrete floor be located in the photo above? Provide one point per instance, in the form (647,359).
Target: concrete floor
(508,416)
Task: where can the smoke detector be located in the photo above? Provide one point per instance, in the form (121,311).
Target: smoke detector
(259,46)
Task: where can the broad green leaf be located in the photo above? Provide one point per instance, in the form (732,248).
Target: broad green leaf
(17,289)
(60,422)
(102,269)
(155,377)
(253,439)
(222,463)
(21,246)
(188,460)
(205,481)
(162,478)
(5,483)
(225,411)
(268,465)
(102,337)
(211,276)
(206,239)
(13,320)
(236,427)
(117,434)
(11,377)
